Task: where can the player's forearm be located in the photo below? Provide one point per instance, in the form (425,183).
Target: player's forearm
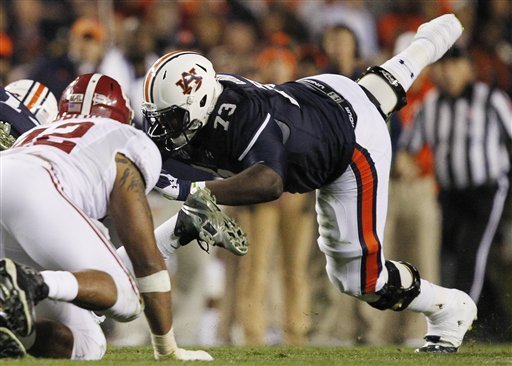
(158,311)
(132,218)
(256,184)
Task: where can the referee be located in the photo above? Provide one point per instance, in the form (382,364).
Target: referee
(468,125)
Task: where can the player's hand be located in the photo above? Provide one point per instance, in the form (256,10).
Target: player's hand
(182,354)
(171,187)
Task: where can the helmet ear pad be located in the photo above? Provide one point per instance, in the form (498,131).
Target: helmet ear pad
(180,81)
(96,95)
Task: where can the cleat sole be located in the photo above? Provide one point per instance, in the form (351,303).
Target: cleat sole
(10,345)
(14,302)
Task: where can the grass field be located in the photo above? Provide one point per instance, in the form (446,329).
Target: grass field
(470,354)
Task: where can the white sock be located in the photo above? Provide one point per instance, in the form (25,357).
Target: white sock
(407,65)
(429,297)
(166,240)
(62,285)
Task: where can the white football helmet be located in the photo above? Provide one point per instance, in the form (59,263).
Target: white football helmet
(180,92)
(37,98)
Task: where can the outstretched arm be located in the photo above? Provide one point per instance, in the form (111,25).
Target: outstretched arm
(255,184)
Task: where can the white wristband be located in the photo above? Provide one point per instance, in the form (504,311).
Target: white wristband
(157,282)
(163,345)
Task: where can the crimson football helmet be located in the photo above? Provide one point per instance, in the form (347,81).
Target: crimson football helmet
(95,95)
(180,92)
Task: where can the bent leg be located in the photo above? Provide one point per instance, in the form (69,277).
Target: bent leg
(389,82)
(66,332)
(351,211)
(351,215)
(30,183)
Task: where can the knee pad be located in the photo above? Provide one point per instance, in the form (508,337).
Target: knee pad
(393,295)
(129,303)
(89,343)
(383,89)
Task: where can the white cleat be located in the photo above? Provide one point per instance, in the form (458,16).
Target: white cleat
(442,32)
(447,326)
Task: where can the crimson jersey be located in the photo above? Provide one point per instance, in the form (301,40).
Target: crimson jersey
(292,128)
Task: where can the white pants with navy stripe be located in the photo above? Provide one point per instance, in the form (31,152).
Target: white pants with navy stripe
(351,211)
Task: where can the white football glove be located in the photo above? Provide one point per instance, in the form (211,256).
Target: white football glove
(165,348)
(182,354)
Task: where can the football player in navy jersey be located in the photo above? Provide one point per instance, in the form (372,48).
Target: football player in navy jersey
(25,105)
(324,133)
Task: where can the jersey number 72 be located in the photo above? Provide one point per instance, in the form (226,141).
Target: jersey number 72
(59,136)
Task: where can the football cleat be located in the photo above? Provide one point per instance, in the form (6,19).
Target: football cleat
(21,288)
(6,139)
(200,218)
(447,326)
(442,32)
(10,345)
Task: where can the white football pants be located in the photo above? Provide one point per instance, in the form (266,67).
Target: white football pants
(42,228)
(351,211)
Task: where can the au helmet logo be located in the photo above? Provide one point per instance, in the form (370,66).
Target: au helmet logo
(188,79)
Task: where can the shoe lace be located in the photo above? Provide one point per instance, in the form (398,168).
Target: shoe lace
(204,245)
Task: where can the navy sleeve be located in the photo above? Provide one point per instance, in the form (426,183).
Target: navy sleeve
(183,171)
(268,149)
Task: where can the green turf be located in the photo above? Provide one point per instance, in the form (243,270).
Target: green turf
(471,354)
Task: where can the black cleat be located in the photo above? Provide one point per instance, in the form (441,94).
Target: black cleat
(437,348)
(21,288)
(10,345)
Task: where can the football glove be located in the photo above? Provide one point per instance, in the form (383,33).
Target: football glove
(200,218)
(171,187)
(165,348)
(182,354)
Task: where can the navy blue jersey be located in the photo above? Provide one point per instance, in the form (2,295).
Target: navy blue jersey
(16,114)
(299,132)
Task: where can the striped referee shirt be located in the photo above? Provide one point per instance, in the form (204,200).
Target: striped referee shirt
(468,135)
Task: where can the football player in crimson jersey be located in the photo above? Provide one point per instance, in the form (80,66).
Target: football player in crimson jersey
(57,182)
(324,133)
(25,105)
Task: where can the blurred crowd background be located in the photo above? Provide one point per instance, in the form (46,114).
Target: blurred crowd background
(279,292)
